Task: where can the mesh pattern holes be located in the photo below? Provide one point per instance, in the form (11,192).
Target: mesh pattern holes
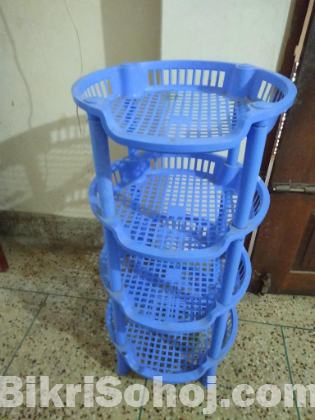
(170,353)
(178,113)
(171,292)
(175,211)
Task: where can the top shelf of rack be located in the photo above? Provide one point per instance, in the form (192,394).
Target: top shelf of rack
(183,106)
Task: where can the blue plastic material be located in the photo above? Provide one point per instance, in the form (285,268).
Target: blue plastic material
(169,204)
(175,217)
(172,296)
(178,357)
(183,106)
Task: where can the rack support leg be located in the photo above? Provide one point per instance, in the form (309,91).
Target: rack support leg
(255,145)
(232,158)
(101,156)
(253,156)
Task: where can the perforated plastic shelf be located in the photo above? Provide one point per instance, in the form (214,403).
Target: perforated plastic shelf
(178,357)
(173,296)
(183,106)
(184,114)
(166,205)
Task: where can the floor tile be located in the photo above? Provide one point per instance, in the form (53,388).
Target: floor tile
(67,342)
(297,311)
(61,270)
(256,358)
(17,311)
(301,348)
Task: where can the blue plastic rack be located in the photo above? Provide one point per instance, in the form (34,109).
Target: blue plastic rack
(175,214)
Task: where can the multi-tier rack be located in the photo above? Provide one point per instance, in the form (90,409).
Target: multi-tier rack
(174,213)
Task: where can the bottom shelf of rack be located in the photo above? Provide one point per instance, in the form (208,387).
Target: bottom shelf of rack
(178,358)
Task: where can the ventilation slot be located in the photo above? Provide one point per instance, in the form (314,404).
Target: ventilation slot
(213,80)
(150,76)
(109,87)
(197,77)
(174,76)
(190,73)
(117,177)
(103,89)
(205,166)
(158,79)
(98,90)
(166,77)
(261,89)
(221,79)
(205,78)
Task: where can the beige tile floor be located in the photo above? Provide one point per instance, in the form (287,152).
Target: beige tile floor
(52,307)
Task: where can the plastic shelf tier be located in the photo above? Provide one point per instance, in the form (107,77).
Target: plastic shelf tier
(178,357)
(169,204)
(174,212)
(183,106)
(173,296)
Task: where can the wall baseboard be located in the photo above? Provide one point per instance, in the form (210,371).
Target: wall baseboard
(51,229)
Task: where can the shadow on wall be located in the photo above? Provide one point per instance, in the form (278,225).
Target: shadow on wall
(49,168)
(54,167)
(18,65)
(132,30)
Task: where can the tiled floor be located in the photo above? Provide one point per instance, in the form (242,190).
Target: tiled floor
(52,307)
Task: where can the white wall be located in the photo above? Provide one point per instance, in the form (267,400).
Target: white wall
(45,163)
(243,31)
